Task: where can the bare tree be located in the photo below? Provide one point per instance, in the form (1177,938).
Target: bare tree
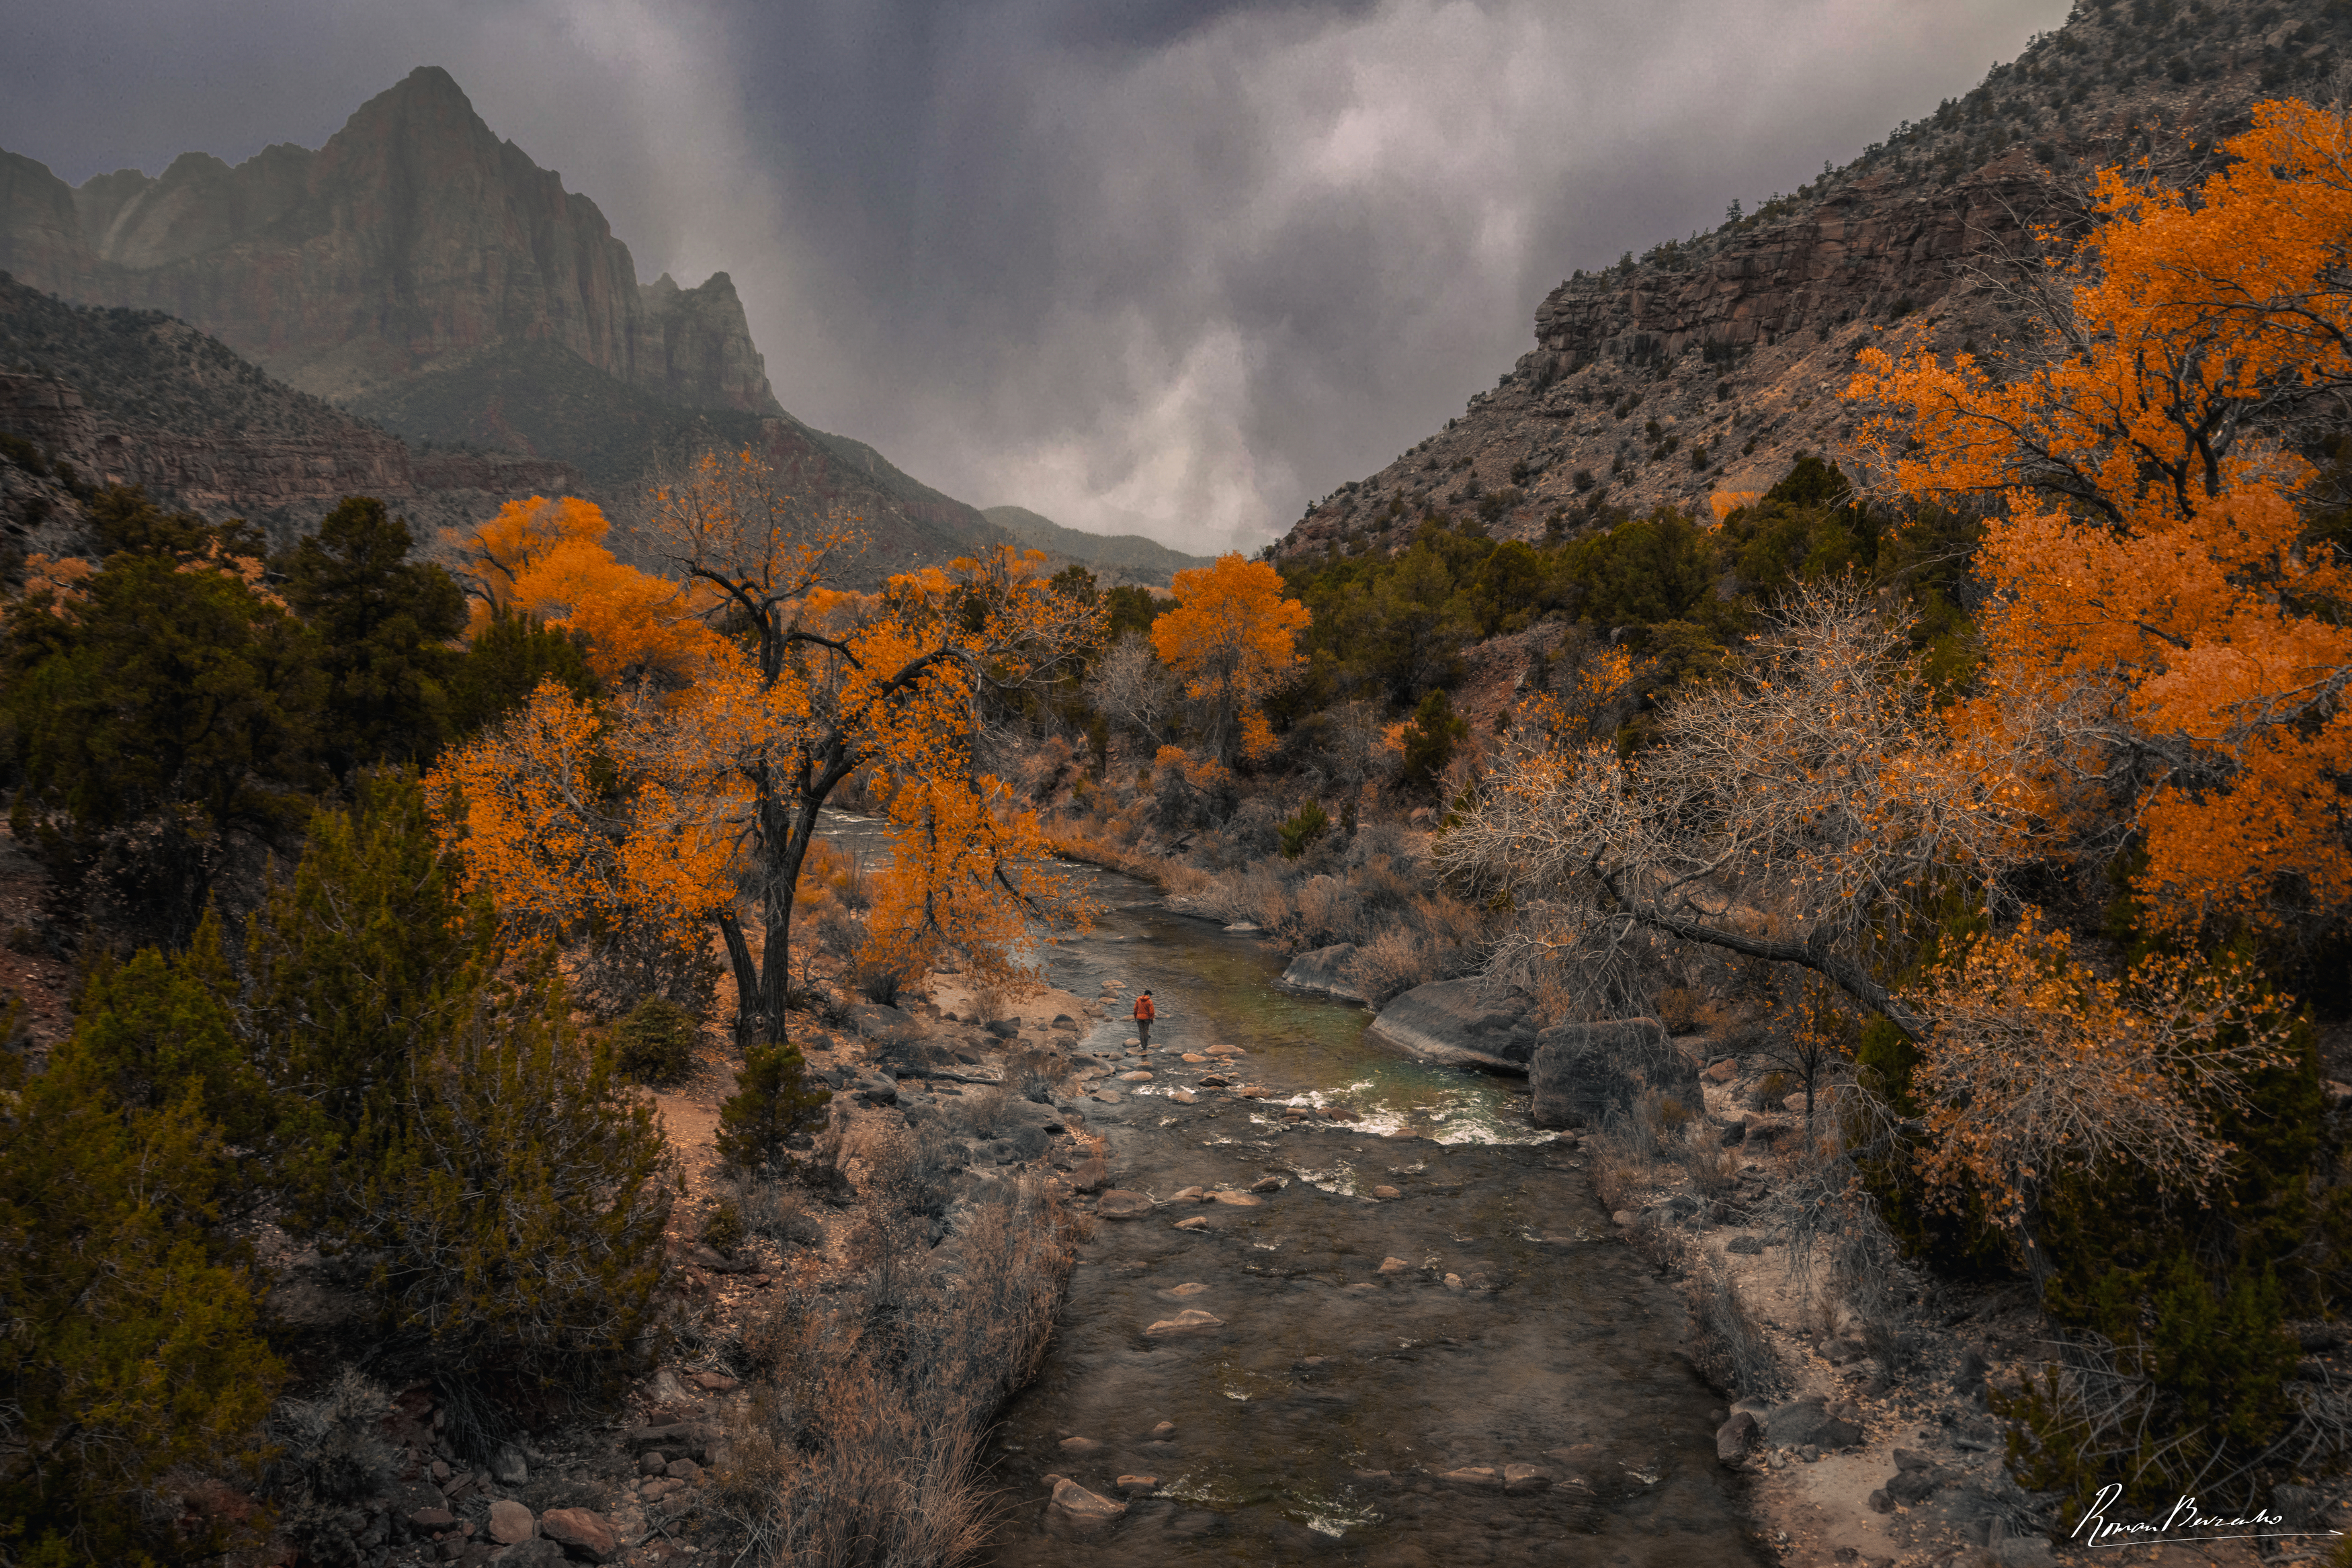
(1793,816)
(1133,689)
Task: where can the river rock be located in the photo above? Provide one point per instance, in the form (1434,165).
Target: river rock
(1237,1199)
(1475,1478)
(511,1522)
(1120,1204)
(581,1533)
(1133,1485)
(1460,1023)
(1074,1507)
(1326,971)
(1526,1478)
(1195,1223)
(1582,1072)
(1186,1322)
(1080,1447)
(1393,1265)
(1139,1076)
(1386,1191)
(1731,1438)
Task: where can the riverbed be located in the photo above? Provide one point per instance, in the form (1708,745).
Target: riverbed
(1473,1370)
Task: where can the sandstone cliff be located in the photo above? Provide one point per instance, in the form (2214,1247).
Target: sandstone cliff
(1709,365)
(414,235)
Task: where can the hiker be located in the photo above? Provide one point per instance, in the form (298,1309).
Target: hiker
(1144,1013)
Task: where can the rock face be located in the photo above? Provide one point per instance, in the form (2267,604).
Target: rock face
(1707,366)
(1326,971)
(413,234)
(1461,1023)
(1584,1072)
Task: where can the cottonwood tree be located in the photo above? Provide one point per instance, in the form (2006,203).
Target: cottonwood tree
(2149,551)
(817,685)
(1232,637)
(1815,812)
(1796,814)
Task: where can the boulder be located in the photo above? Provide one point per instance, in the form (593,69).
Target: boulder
(1583,1073)
(1804,1421)
(1326,971)
(511,1522)
(878,1021)
(1526,1478)
(1460,1023)
(1119,1204)
(580,1533)
(1731,1438)
(425,1521)
(1189,1321)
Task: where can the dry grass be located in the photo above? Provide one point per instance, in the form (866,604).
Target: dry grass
(1726,1346)
(858,1448)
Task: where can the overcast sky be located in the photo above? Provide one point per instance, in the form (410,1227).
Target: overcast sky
(1167,266)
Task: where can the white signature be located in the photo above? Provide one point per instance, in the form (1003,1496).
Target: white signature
(2185,1523)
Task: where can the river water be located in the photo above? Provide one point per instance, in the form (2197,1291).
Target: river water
(1319,1418)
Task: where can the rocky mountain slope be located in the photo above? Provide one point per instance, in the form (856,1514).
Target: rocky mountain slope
(429,279)
(1121,558)
(133,397)
(1708,366)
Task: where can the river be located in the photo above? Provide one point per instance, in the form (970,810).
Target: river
(1323,1416)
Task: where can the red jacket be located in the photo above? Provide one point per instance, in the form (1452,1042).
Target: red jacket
(1143,1008)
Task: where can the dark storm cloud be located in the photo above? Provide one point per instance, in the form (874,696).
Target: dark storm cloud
(1173,266)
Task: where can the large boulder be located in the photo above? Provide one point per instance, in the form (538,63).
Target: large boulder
(1461,1023)
(1583,1072)
(1326,971)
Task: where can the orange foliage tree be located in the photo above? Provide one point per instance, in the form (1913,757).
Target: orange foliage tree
(822,683)
(547,558)
(2150,560)
(568,836)
(1232,637)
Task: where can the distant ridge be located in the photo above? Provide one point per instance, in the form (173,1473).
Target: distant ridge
(1131,555)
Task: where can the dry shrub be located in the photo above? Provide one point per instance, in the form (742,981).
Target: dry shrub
(775,1209)
(1680,1007)
(1032,1074)
(987,1109)
(911,1167)
(1394,963)
(1256,896)
(858,1446)
(1619,1175)
(1330,911)
(1727,1347)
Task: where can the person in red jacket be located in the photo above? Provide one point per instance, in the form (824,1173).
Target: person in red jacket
(1144,1013)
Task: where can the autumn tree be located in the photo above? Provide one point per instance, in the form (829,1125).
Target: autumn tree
(547,561)
(564,832)
(1232,637)
(819,684)
(2147,548)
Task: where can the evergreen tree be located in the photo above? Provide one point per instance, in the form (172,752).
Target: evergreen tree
(131,1346)
(385,623)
